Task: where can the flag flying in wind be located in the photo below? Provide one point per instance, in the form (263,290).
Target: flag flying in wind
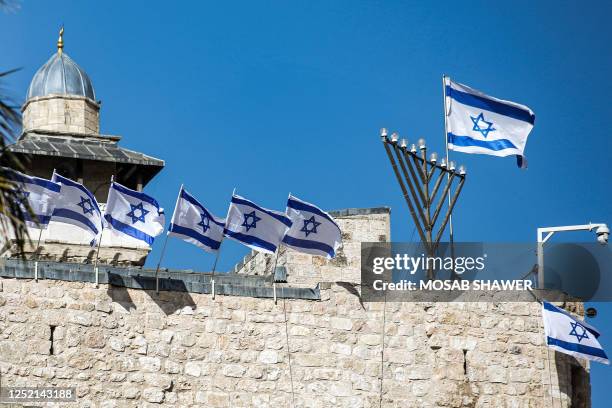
(193,223)
(40,193)
(258,228)
(569,335)
(77,206)
(313,231)
(133,213)
(478,123)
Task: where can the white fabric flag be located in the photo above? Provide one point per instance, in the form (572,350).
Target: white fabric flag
(193,223)
(41,194)
(256,227)
(313,231)
(478,123)
(571,336)
(133,213)
(77,206)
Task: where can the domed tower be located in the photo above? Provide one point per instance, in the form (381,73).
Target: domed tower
(61,97)
(61,132)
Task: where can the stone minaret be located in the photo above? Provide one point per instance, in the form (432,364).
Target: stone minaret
(61,132)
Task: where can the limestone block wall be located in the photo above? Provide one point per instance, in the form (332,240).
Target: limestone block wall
(65,113)
(132,348)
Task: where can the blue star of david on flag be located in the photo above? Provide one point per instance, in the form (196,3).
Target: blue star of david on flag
(86,205)
(253,223)
(581,341)
(132,214)
(574,332)
(483,128)
(78,207)
(256,227)
(312,230)
(205,223)
(193,223)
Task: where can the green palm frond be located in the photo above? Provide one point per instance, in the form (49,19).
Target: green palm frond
(12,211)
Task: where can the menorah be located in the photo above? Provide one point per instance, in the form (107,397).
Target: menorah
(415,175)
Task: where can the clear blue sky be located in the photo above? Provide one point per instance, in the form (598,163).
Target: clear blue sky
(271,97)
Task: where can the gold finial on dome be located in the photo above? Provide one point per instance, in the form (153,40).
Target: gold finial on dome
(60,41)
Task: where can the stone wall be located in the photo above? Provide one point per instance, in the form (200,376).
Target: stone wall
(127,348)
(65,113)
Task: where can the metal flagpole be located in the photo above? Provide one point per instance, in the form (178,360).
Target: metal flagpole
(274,273)
(96,263)
(161,257)
(214,268)
(37,256)
(100,240)
(274,268)
(450,218)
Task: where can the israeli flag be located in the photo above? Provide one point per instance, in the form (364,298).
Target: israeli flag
(569,335)
(313,231)
(482,124)
(193,223)
(41,194)
(78,206)
(256,227)
(133,213)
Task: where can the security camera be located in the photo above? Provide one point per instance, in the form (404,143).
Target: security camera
(603,232)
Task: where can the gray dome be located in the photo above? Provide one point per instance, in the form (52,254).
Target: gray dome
(61,76)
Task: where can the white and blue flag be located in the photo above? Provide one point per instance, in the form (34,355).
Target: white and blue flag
(313,231)
(41,194)
(133,213)
(258,228)
(482,124)
(569,335)
(193,223)
(78,206)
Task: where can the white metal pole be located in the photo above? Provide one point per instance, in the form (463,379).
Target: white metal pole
(37,256)
(450,218)
(161,257)
(540,251)
(214,268)
(100,239)
(96,262)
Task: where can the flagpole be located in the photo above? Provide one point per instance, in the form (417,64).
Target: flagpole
(450,218)
(274,268)
(100,240)
(161,257)
(214,268)
(96,262)
(37,256)
(38,245)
